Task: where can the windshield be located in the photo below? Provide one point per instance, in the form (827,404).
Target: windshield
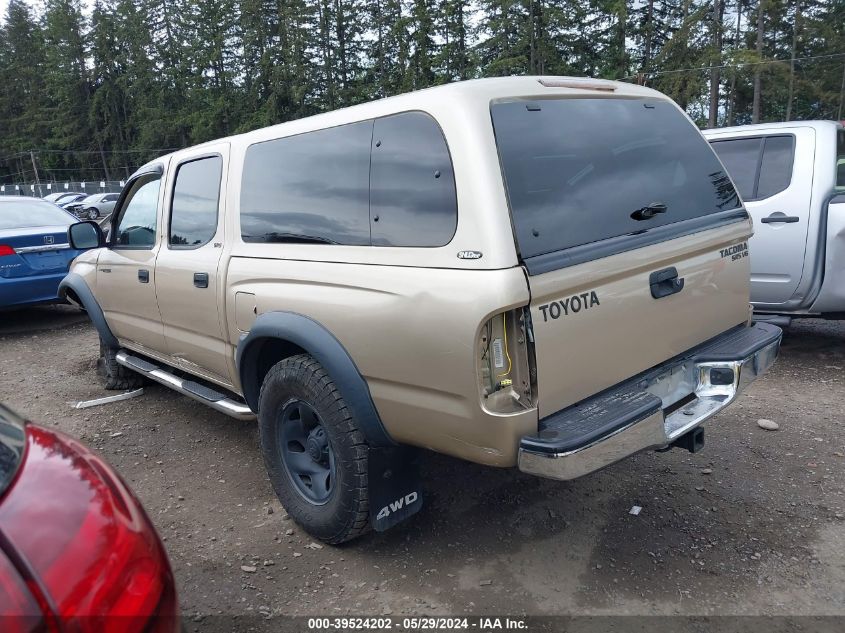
(23,212)
(582,170)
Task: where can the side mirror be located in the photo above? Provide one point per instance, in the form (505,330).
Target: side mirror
(85,235)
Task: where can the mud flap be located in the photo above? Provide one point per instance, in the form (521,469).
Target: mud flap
(394,482)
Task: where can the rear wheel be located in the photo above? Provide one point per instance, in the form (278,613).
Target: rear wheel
(315,454)
(93,213)
(116,376)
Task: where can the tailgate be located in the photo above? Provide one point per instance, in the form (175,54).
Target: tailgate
(597,324)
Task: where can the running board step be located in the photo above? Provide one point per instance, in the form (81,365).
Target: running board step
(201,393)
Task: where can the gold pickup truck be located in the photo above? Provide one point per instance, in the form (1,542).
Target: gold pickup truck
(540,272)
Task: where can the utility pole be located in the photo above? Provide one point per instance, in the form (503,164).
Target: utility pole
(841,95)
(732,99)
(758,83)
(103,158)
(796,18)
(531,60)
(714,71)
(35,169)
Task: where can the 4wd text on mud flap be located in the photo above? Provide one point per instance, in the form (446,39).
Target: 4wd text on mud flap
(573,304)
(738,251)
(397,505)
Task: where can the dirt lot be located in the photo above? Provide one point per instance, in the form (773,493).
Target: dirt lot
(754,524)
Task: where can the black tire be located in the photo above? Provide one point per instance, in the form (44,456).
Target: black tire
(298,384)
(92,213)
(116,377)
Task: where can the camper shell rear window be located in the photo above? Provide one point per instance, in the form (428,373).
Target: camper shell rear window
(580,172)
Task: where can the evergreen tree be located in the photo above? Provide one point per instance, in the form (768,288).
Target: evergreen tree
(24,106)
(97,89)
(67,83)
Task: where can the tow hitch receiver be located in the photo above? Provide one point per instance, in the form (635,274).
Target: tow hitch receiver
(692,441)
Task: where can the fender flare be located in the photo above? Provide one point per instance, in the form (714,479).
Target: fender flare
(75,282)
(319,342)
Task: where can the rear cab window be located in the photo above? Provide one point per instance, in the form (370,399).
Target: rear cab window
(196,196)
(761,166)
(579,172)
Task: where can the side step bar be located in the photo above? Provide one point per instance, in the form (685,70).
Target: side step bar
(200,393)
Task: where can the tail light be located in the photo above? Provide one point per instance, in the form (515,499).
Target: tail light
(5,249)
(87,540)
(506,363)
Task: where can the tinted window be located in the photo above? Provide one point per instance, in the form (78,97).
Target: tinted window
(578,170)
(313,186)
(193,212)
(741,158)
(112,197)
(840,160)
(24,212)
(137,224)
(776,165)
(412,186)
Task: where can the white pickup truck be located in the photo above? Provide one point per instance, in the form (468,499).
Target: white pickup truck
(791,177)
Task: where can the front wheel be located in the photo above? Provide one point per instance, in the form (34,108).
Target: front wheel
(93,214)
(116,376)
(315,454)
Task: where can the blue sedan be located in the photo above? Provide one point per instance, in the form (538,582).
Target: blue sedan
(34,250)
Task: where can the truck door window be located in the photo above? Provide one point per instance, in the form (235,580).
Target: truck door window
(760,166)
(412,185)
(196,194)
(136,227)
(312,187)
(776,165)
(741,157)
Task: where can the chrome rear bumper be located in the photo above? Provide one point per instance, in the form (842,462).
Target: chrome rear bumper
(684,393)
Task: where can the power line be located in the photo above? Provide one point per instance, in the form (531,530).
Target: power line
(741,65)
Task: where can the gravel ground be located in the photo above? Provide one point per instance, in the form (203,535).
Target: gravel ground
(752,525)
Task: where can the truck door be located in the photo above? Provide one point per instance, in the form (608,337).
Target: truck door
(776,189)
(126,285)
(190,291)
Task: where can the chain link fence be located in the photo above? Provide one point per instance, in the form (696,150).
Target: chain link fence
(42,189)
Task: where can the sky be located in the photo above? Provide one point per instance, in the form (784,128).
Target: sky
(33,3)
